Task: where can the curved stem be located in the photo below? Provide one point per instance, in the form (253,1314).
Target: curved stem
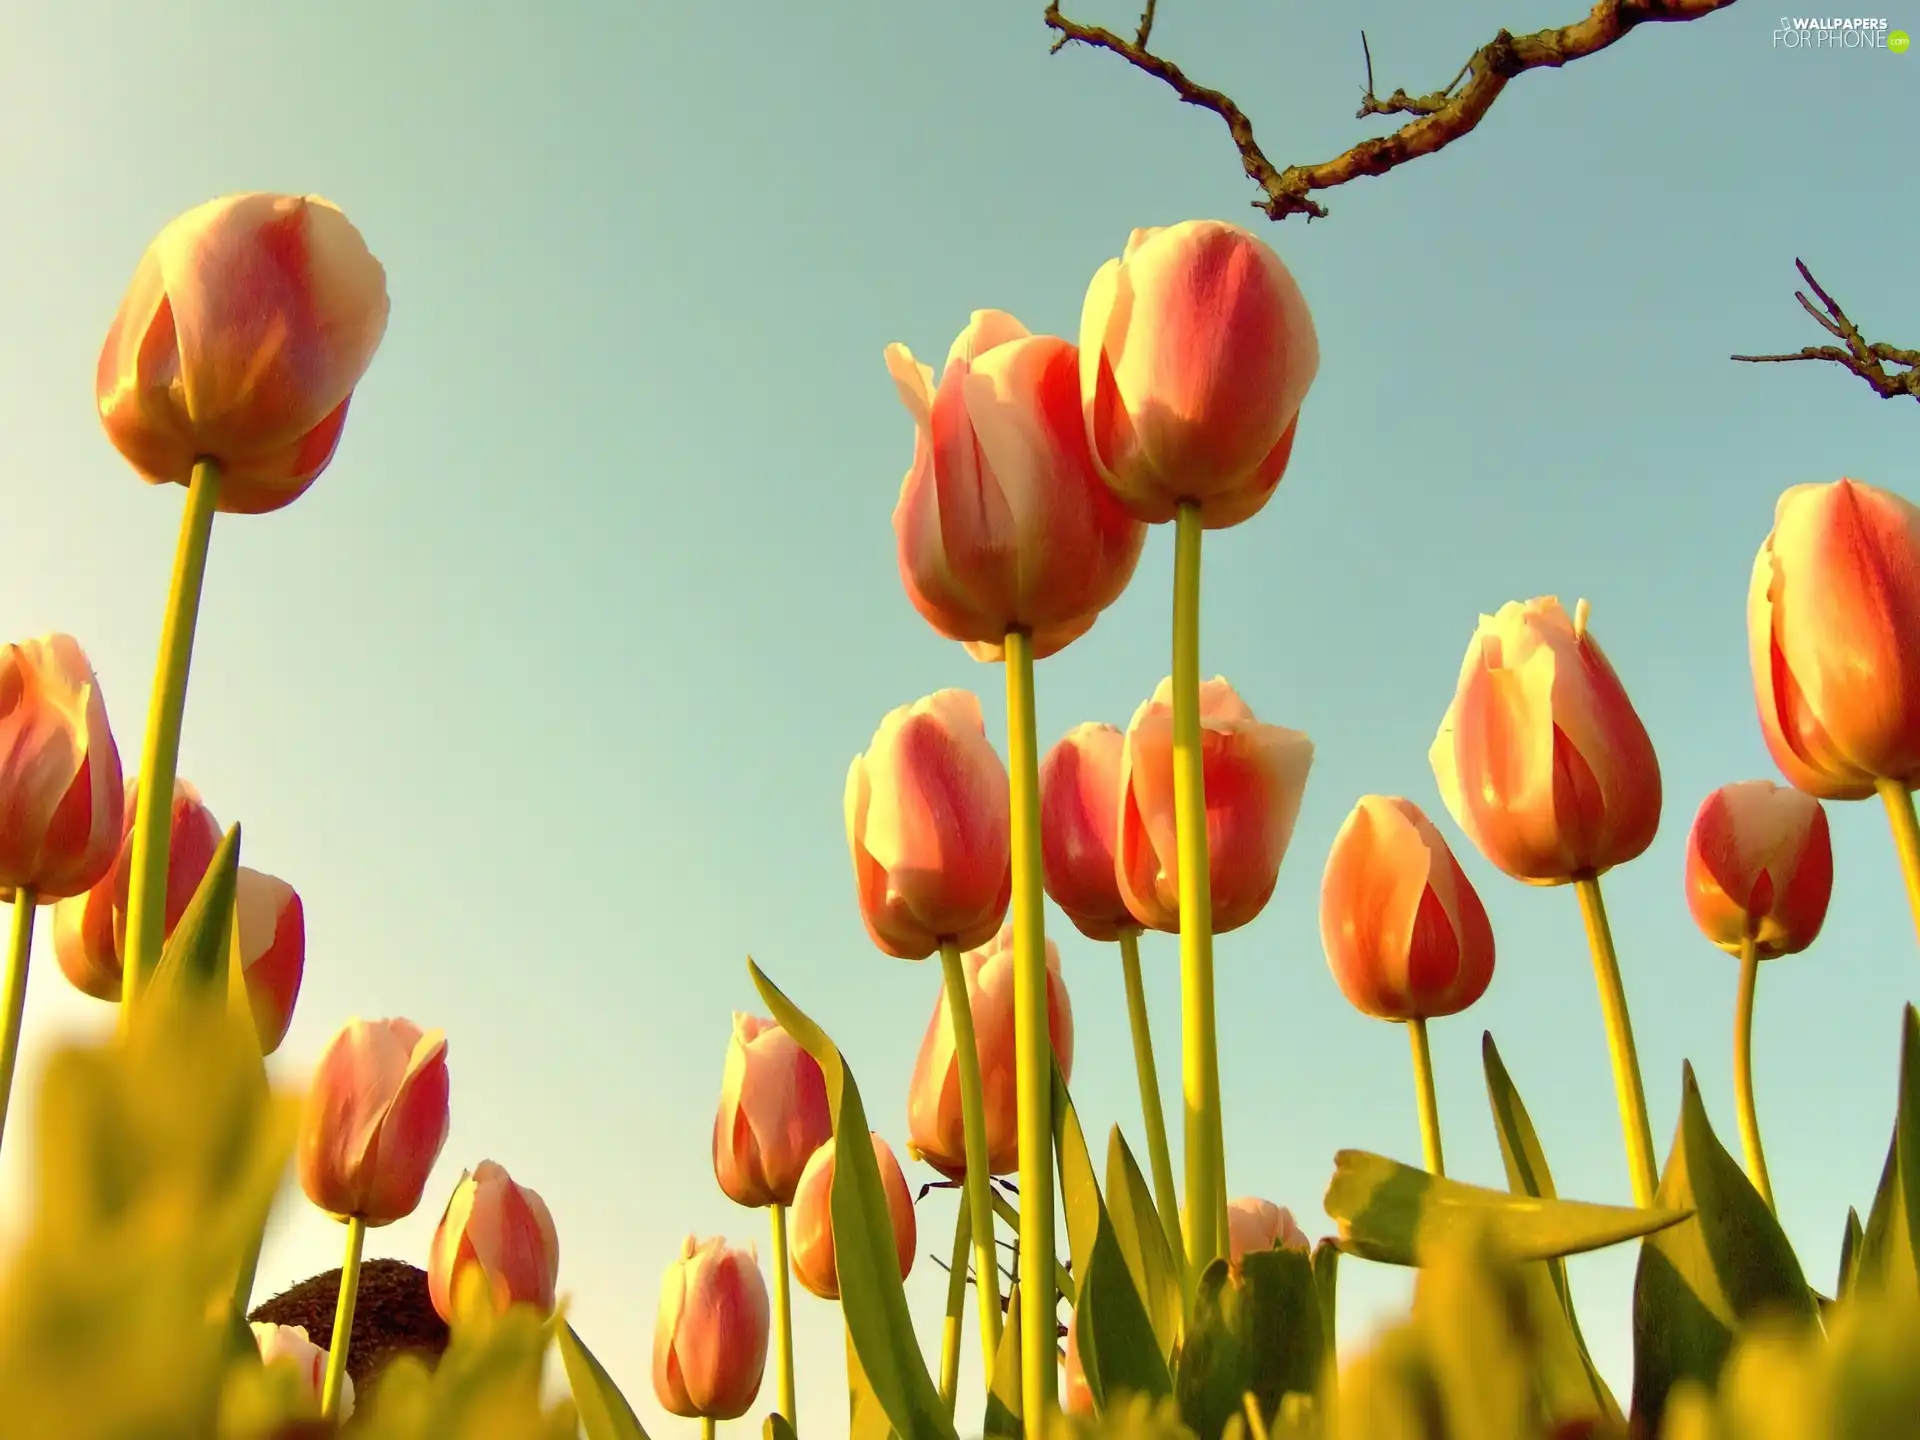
(783,1312)
(1743,1071)
(1166,1195)
(343,1318)
(1626,1063)
(973,1120)
(956,1303)
(1428,1101)
(1033,1046)
(160,754)
(1906,838)
(19,950)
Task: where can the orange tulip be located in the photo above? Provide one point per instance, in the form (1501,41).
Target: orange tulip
(1076,1397)
(1255,776)
(934,1126)
(927,820)
(1541,758)
(1254,1225)
(500,1230)
(1079,824)
(290,1343)
(374,1120)
(60,792)
(1405,933)
(1759,867)
(773,1114)
(1833,623)
(1196,351)
(1002,522)
(248,323)
(813,1254)
(710,1341)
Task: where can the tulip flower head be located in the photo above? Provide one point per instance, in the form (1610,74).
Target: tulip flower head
(1196,351)
(934,1127)
(1254,1224)
(1076,1397)
(1759,868)
(1079,829)
(289,1345)
(1541,758)
(1002,522)
(773,1114)
(500,1230)
(710,1341)
(248,323)
(814,1265)
(61,802)
(374,1120)
(1255,777)
(273,950)
(1833,624)
(927,821)
(1405,933)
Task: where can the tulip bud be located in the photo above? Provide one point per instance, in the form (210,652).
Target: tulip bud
(374,1120)
(1541,758)
(1196,350)
(1002,522)
(1833,623)
(1405,933)
(1079,829)
(289,1345)
(927,820)
(501,1231)
(710,1341)
(813,1253)
(935,1132)
(773,1114)
(248,323)
(1255,776)
(60,792)
(1261,1225)
(1076,1397)
(273,950)
(1759,867)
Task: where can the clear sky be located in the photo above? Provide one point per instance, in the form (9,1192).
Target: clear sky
(544,696)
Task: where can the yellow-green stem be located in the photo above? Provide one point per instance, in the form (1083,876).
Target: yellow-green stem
(1626,1063)
(19,950)
(1743,1071)
(976,1184)
(956,1303)
(343,1318)
(160,754)
(1033,1046)
(783,1313)
(1010,1217)
(249,1269)
(1165,1193)
(707,1426)
(1429,1102)
(1906,838)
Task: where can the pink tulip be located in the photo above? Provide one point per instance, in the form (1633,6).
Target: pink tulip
(248,323)
(1076,1396)
(1405,933)
(1833,622)
(814,1265)
(773,1114)
(1255,776)
(1079,825)
(710,1342)
(927,820)
(501,1231)
(934,1125)
(273,950)
(1759,867)
(1002,522)
(1254,1225)
(288,1344)
(374,1120)
(1541,758)
(1196,351)
(60,792)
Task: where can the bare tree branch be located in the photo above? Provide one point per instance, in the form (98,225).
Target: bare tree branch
(1439,118)
(1868,360)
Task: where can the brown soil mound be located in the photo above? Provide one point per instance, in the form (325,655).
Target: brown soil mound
(392,1316)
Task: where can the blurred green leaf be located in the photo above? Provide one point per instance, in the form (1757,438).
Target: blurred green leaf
(1890,1249)
(777,1428)
(604,1411)
(1256,1329)
(1326,1286)
(1479,1329)
(1143,1241)
(1005,1405)
(197,956)
(1849,1254)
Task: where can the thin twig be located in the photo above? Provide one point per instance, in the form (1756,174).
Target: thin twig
(1867,359)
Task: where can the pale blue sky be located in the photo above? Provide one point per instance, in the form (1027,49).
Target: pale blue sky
(544,696)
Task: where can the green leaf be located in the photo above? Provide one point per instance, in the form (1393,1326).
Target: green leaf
(1570,1383)
(1326,1285)
(1849,1255)
(1890,1249)
(1119,1351)
(197,958)
(1256,1330)
(1005,1408)
(604,1411)
(1143,1241)
(874,1302)
(1701,1282)
(1388,1212)
(866,1417)
(777,1428)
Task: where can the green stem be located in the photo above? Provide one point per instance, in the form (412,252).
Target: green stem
(1906,838)
(707,1426)
(249,1269)
(1166,1195)
(973,1120)
(1033,1045)
(783,1313)
(1429,1102)
(343,1318)
(956,1304)
(1743,1070)
(160,755)
(19,950)
(1626,1063)
(1062,1278)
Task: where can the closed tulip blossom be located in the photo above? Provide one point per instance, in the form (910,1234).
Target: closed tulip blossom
(1002,522)
(814,1265)
(1255,1225)
(1759,868)
(61,800)
(1255,775)
(1076,1397)
(927,821)
(289,1345)
(1079,825)
(374,1120)
(1196,351)
(710,1340)
(248,323)
(273,950)
(773,1114)
(500,1232)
